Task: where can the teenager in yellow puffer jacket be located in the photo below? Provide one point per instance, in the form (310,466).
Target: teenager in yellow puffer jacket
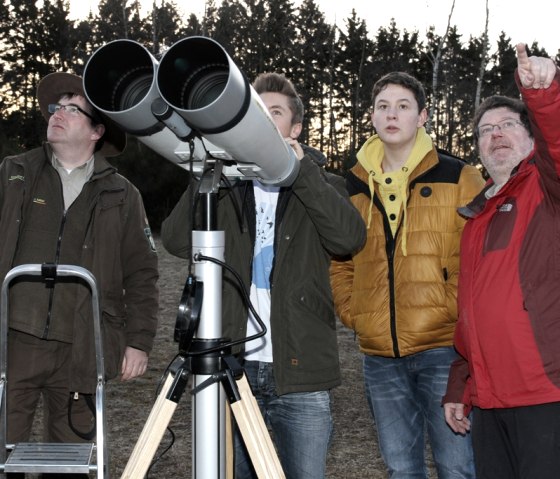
(399,292)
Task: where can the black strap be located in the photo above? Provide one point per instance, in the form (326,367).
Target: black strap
(88,436)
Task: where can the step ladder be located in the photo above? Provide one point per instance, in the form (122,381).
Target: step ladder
(62,458)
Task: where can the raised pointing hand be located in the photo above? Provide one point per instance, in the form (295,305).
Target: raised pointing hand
(534,72)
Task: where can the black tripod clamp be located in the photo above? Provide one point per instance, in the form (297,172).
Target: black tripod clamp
(220,366)
(179,370)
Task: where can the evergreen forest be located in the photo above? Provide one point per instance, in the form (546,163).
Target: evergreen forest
(333,66)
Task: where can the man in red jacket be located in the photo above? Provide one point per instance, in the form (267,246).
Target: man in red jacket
(508,333)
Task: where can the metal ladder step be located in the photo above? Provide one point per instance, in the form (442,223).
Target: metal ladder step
(50,458)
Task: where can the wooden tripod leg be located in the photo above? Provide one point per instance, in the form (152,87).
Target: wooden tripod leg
(255,434)
(151,435)
(230,445)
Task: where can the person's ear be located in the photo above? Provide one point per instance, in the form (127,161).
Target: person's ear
(422,117)
(98,132)
(295,130)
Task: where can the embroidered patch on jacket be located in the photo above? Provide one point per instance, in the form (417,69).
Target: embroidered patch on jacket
(16,177)
(148,233)
(39,201)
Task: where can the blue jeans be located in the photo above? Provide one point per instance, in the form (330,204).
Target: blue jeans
(404,397)
(301,426)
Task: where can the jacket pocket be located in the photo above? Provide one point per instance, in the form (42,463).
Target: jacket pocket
(500,228)
(114,338)
(310,329)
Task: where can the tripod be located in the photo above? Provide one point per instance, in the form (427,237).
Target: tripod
(246,413)
(217,375)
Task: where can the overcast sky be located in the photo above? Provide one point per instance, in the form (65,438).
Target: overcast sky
(522,20)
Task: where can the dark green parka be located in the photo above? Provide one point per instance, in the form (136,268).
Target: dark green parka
(116,247)
(314,220)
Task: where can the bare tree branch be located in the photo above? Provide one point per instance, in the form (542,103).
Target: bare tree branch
(483,58)
(435,70)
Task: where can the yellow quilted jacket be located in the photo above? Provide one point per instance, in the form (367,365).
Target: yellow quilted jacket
(400,305)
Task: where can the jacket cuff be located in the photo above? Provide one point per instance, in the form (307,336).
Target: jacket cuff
(457,383)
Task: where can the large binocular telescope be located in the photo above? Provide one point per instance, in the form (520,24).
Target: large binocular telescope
(192,106)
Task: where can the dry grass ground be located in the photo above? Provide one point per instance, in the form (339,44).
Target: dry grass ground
(353,453)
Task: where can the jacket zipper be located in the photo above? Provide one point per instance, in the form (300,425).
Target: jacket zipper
(390,250)
(390,243)
(56,259)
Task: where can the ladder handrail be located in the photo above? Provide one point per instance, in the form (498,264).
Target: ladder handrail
(61,270)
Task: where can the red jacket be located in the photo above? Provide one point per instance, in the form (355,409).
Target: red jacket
(509,282)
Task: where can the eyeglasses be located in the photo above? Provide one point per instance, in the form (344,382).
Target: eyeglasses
(504,125)
(72,110)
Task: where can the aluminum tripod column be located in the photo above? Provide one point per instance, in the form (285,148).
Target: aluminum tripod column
(209,404)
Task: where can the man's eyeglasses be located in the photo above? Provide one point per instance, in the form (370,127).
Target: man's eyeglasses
(504,125)
(70,109)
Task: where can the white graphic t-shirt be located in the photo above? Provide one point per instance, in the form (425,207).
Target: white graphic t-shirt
(266,199)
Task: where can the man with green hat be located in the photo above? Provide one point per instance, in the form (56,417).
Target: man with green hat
(63,203)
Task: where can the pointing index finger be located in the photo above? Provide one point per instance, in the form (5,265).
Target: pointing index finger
(522,56)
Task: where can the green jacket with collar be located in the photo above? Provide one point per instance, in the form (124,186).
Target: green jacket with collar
(117,249)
